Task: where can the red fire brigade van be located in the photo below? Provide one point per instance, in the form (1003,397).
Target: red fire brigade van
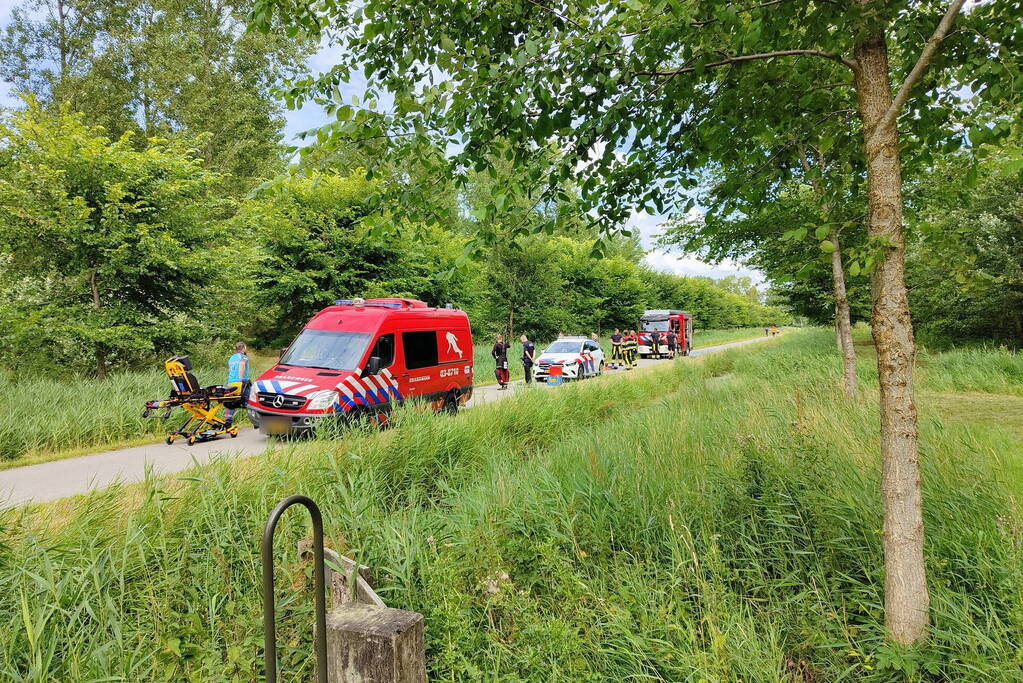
(664,321)
(360,358)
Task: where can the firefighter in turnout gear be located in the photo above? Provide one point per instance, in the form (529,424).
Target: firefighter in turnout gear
(630,346)
(655,344)
(616,349)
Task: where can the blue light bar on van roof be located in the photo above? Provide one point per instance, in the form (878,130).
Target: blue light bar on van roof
(377,304)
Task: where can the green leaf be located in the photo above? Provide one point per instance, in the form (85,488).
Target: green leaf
(827,246)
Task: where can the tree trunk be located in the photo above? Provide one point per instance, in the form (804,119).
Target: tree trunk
(843,324)
(906,600)
(100,351)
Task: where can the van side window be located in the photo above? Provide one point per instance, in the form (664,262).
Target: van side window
(384,350)
(420,349)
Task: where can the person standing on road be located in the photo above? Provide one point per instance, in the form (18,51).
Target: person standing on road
(528,358)
(655,344)
(616,349)
(629,346)
(672,343)
(500,354)
(238,373)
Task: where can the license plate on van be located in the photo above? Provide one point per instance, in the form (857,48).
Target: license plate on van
(276,426)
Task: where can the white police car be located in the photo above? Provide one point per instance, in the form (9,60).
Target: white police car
(578,357)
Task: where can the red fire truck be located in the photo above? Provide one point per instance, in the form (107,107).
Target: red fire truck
(664,321)
(360,357)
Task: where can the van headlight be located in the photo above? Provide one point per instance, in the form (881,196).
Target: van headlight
(321,400)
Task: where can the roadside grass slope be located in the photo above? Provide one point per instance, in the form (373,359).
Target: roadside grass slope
(716,521)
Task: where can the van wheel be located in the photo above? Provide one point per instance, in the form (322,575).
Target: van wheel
(451,402)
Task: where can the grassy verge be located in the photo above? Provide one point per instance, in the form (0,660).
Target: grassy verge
(705,338)
(715,520)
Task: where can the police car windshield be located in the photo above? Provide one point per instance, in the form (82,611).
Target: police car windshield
(327,350)
(564,347)
(655,326)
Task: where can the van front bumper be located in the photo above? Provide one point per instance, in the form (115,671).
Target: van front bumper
(277,424)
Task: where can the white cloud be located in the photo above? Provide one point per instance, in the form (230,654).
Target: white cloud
(649,226)
(688,265)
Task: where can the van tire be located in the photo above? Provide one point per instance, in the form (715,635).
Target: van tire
(451,402)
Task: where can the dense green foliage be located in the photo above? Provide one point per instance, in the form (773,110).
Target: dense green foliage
(966,278)
(109,250)
(160,68)
(725,527)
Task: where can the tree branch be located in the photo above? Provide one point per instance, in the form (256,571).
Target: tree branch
(558,14)
(762,55)
(918,69)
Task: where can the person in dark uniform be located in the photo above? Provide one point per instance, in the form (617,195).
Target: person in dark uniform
(672,343)
(500,354)
(616,349)
(528,358)
(655,344)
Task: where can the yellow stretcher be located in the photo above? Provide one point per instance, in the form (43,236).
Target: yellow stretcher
(203,405)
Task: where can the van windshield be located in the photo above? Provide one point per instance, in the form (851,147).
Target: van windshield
(327,350)
(655,325)
(564,347)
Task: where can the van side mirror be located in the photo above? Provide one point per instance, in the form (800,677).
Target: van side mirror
(283,351)
(372,366)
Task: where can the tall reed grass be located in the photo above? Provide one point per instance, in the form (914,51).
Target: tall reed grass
(714,521)
(47,415)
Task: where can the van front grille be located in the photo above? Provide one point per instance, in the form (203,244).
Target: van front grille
(281,401)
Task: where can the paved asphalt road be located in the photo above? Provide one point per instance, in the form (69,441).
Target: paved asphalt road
(61,478)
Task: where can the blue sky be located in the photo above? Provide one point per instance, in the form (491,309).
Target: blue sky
(311,116)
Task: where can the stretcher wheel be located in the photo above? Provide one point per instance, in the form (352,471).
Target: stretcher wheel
(169,440)
(191,441)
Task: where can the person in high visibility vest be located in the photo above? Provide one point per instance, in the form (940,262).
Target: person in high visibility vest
(629,348)
(616,349)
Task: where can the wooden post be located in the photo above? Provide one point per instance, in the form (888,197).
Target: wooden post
(368,642)
(379,644)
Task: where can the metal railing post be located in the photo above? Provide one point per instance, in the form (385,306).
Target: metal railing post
(269,615)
